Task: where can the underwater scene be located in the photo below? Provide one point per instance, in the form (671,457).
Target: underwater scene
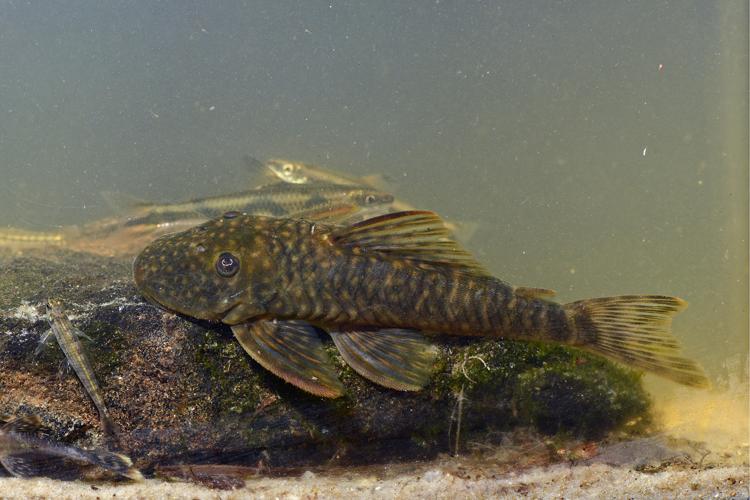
(377,250)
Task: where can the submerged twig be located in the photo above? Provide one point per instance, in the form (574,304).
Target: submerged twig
(458,409)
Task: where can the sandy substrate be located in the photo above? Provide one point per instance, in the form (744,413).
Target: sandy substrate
(560,481)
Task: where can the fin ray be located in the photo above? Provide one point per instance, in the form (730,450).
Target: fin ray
(416,235)
(395,358)
(635,330)
(293,351)
(534,293)
(27,452)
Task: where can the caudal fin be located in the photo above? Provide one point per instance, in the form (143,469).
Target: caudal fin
(635,330)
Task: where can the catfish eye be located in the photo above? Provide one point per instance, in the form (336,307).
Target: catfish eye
(288,168)
(369,199)
(227,265)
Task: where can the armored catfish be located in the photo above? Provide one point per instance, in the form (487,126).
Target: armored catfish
(377,287)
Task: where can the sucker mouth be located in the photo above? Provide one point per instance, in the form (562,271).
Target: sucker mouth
(226,315)
(151,300)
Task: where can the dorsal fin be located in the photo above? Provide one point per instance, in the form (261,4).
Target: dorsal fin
(534,293)
(415,235)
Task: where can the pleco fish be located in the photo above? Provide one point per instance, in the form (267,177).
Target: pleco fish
(375,286)
(67,337)
(26,452)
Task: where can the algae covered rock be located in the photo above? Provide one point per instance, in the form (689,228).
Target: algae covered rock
(185,392)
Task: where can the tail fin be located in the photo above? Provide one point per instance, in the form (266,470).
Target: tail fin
(635,330)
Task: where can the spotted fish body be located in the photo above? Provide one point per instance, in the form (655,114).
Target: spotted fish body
(374,287)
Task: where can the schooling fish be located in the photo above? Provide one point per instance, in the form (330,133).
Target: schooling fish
(295,172)
(375,287)
(22,238)
(143,221)
(305,173)
(276,200)
(67,337)
(26,452)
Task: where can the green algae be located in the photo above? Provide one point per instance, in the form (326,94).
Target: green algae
(581,395)
(553,388)
(226,367)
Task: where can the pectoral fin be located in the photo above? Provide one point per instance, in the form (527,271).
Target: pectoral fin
(43,341)
(26,451)
(31,463)
(25,424)
(293,351)
(395,358)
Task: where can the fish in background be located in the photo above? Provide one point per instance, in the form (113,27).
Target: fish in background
(27,451)
(377,287)
(143,221)
(294,172)
(319,202)
(68,339)
(25,238)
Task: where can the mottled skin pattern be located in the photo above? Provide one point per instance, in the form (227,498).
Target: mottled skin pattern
(292,269)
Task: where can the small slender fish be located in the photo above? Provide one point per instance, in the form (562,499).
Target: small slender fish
(142,221)
(275,200)
(375,286)
(22,238)
(67,337)
(26,452)
(295,172)
(215,476)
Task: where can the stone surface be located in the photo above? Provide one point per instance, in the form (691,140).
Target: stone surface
(185,392)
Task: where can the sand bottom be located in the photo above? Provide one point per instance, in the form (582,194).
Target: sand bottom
(429,480)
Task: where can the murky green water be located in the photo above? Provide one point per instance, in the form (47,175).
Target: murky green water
(601,147)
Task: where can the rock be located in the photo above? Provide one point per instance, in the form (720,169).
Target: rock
(185,392)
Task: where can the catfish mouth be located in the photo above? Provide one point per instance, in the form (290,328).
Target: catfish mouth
(175,307)
(235,313)
(222,314)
